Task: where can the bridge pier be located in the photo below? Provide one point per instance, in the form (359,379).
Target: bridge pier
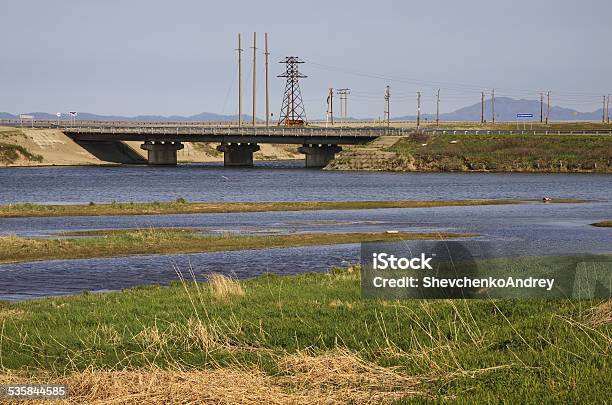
(160,152)
(238,154)
(319,155)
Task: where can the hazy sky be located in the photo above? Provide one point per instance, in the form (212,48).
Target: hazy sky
(178,57)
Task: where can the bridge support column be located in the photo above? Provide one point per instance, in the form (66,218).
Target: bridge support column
(161,153)
(238,154)
(319,155)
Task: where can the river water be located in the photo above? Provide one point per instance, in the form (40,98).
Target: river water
(546,228)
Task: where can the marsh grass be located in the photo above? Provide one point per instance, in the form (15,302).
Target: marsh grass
(183,207)
(224,288)
(109,243)
(308,338)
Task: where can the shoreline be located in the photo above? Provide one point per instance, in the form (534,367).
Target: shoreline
(481,153)
(181,206)
(218,163)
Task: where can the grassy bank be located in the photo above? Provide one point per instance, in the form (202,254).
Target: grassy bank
(507,153)
(152,241)
(10,149)
(11,153)
(554,126)
(603,224)
(180,206)
(306,339)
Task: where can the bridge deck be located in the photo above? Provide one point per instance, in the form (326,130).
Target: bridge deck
(230,134)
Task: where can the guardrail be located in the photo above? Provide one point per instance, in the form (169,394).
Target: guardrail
(237,131)
(519,132)
(229,128)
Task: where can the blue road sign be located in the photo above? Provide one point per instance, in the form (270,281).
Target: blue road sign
(524,115)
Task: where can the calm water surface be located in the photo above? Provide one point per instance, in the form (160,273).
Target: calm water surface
(549,228)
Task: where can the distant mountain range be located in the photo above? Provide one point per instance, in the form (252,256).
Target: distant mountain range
(506,109)
(202,117)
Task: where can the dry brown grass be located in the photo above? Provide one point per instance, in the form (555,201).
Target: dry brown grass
(157,386)
(151,338)
(9,313)
(335,377)
(341,376)
(601,314)
(224,288)
(339,303)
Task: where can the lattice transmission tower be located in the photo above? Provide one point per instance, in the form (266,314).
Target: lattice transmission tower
(292,110)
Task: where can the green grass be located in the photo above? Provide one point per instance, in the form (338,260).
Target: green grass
(10,153)
(183,207)
(504,152)
(554,126)
(171,240)
(484,351)
(603,224)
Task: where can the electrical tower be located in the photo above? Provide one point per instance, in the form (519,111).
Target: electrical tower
(292,111)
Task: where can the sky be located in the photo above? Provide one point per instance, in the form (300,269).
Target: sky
(179,57)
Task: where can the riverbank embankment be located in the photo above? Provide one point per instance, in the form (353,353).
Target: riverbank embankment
(426,152)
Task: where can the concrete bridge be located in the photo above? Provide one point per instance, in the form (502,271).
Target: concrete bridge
(163,140)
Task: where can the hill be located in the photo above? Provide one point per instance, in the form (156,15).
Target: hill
(506,109)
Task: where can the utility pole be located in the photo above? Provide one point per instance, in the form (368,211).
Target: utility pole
(387,110)
(343,93)
(330,107)
(438,108)
(346,105)
(418,109)
(608,110)
(482,107)
(541,107)
(254,75)
(547,107)
(239,82)
(493,106)
(267,82)
(603,111)
(341,108)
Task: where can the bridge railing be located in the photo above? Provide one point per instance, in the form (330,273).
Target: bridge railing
(519,131)
(238,131)
(225,128)
(191,128)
